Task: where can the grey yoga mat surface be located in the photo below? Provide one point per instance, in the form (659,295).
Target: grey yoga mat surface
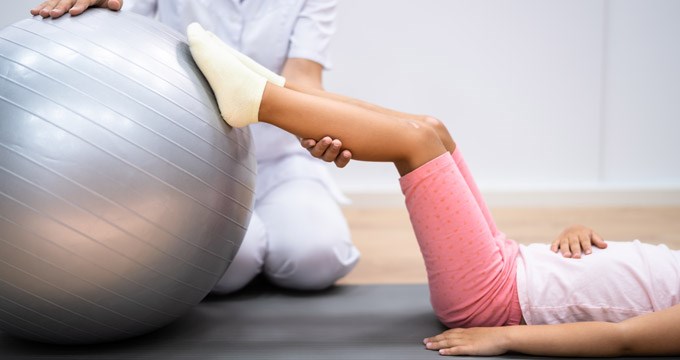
(264,322)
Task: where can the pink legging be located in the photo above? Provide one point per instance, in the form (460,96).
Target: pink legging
(471,266)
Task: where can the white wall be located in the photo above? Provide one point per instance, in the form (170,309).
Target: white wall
(641,100)
(576,102)
(13,10)
(552,102)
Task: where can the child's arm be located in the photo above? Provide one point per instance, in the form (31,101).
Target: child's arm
(651,334)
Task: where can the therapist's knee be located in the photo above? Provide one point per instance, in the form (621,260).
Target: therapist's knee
(314,263)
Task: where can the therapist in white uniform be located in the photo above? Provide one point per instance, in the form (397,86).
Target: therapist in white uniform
(298,236)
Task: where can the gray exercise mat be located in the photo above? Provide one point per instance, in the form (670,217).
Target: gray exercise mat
(263,322)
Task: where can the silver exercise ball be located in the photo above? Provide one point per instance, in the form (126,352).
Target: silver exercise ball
(123,194)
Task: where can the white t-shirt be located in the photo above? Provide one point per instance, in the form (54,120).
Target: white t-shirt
(624,280)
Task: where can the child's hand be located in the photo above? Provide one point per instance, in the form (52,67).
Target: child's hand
(484,341)
(577,239)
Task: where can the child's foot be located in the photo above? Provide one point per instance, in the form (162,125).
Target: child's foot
(251,64)
(238,89)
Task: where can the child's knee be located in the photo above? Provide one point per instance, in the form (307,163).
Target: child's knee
(431,121)
(441,130)
(424,142)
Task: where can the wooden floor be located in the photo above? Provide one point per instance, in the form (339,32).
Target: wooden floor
(390,253)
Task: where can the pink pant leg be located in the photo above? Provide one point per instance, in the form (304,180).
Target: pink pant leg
(472,185)
(471,273)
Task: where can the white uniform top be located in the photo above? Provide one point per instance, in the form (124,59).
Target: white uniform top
(270,32)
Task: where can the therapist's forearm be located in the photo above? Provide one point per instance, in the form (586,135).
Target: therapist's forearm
(303,72)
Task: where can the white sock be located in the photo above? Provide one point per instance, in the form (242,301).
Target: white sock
(238,89)
(252,64)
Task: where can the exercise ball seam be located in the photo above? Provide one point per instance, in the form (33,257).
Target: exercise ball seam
(123,138)
(129,97)
(100,243)
(120,30)
(38,325)
(92,262)
(119,158)
(98,45)
(102,196)
(72,294)
(51,318)
(123,93)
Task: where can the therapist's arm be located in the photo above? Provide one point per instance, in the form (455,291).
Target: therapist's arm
(307,73)
(304,72)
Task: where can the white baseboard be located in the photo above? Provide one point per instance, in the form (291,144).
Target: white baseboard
(545,198)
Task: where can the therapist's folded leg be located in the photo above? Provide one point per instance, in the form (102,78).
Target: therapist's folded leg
(309,243)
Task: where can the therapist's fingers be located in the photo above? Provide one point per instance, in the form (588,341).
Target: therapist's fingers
(332,151)
(328,150)
(82,5)
(114,4)
(36,9)
(319,149)
(307,143)
(57,8)
(45,8)
(343,159)
(79,7)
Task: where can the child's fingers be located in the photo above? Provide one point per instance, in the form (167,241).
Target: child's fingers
(585,243)
(564,247)
(598,241)
(575,246)
(555,245)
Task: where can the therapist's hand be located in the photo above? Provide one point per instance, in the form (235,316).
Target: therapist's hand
(329,150)
(308,73)
(57,8)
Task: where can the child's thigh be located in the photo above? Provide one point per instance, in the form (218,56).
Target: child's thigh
(625,280)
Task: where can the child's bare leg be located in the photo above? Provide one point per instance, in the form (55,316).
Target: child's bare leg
(353,101)
(372,136)
(245,97)
(437,125)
